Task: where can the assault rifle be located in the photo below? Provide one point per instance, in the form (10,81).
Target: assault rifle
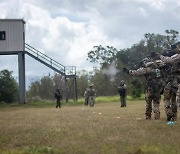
(168,53)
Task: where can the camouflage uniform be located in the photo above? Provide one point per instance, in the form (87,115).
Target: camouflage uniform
(175,58)
(153,90)
(91,94)
(178,97)
(85,97)
(172,90)
(170,105)
(122,89)
(58,97)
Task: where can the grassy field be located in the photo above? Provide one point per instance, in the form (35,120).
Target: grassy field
(104,129)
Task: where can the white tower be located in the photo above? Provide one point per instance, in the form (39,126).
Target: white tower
(12,41)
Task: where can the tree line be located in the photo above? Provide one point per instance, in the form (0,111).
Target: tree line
(111,61)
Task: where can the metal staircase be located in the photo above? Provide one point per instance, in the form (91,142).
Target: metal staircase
(66,71)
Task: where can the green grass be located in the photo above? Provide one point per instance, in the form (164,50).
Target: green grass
(71,102)
(77,129)
(99,99)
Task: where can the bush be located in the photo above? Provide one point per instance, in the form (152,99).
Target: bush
(9,87)
(136,88)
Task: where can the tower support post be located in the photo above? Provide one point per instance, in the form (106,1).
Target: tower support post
(22,87)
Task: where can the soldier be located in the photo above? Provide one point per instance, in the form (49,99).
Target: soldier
(153,89)
(58,97)
(122,89)
(178,97)
(91,94)
(172,88)
(170,68)
(86,97)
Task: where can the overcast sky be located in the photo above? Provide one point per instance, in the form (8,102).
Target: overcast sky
(66,30)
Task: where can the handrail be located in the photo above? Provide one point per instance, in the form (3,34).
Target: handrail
(70,70)
(67,70)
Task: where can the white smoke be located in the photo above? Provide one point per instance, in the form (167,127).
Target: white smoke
(111,71)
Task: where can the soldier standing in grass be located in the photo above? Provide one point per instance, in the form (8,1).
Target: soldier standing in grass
(86,97)
(91,94)
(122,89)
(153,79)
(172,88)
(58,97)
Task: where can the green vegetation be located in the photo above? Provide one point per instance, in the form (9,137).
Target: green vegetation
(45,103)
(8,87)
(105,128)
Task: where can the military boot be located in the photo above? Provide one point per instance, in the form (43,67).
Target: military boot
(168,111)
(148,116)
(174,117)
(169,118)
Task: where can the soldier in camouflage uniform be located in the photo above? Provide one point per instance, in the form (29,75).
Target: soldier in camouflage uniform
(153,89)
(86,97)
(154,84)
(170,68)
(122,89)
(58,97)
(91,94)
(172,89)
(178,97)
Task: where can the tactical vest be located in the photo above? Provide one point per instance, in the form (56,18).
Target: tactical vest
(154,74)
(91,92)
(154,80)
(122,91)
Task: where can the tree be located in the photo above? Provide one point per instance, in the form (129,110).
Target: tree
(9,87)
(82,82)
(171,36)
(102,55)
(42,89)
(135,88)
(47,89)
(102,83)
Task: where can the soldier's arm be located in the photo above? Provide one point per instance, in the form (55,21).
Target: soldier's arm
(85,93)
(140,71)
(94,92)
(173,59)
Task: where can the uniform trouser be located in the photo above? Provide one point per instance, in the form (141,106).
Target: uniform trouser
(170,103)
(58,103)
(86,100)
(152,97)
(123,101)
(91,100)
(178,97)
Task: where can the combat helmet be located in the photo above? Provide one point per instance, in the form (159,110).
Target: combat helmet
(122,81)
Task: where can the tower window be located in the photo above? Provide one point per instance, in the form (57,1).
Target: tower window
(2,35)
